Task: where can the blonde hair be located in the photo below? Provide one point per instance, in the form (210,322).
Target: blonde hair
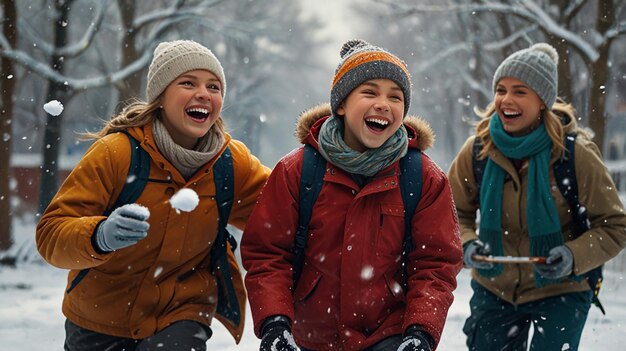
(136,114)
(562,114)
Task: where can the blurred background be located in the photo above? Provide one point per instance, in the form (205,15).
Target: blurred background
(279,57)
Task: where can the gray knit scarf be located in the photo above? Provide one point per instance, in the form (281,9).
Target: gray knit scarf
(335,150)
(187,161)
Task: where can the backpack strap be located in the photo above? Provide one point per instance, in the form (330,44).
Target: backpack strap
(223,176)
(411,190)
(565,174)
(136,180)
(311,181)
(478,166)
(138,173)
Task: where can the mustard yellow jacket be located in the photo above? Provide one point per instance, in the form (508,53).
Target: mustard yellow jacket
(136,291)
(597,193)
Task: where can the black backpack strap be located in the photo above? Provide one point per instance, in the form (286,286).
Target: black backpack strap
(136,180)
(138,173)
(565,175)
(223,176)
(311,181)
(478,166)
(411,190)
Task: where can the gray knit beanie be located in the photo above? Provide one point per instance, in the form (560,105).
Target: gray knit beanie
(362,61)
(173,58)
(537,67)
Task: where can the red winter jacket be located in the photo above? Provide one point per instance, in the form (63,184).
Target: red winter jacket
(350,293)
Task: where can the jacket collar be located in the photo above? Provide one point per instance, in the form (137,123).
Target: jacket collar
(421,135)
(144,134)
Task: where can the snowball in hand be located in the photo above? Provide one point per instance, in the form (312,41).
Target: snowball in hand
(53,107)
(138,211)
(185,200)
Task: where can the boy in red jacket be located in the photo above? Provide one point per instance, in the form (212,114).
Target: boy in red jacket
(350,293)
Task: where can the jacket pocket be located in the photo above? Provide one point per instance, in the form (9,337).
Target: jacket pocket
(395,288)
(391,229)
(77,279)
(307,283)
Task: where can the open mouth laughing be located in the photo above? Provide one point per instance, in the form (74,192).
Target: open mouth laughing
(198,114)
(376,124)
(511,114)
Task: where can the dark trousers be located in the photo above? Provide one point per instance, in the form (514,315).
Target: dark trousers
(181,335)
(497,325)
(391,343)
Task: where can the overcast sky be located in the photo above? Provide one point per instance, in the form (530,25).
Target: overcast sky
(338,25)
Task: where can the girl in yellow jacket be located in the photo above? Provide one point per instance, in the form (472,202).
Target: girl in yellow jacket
(140,278)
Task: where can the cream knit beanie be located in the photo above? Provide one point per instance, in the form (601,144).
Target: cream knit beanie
(173,58)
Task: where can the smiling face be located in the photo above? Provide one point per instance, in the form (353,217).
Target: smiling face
(191,105)
(518,106)
(372,113)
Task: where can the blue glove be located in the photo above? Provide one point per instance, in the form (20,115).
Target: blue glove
(277,335)
(416,339)
(559,263)
(476,247)
(125,226)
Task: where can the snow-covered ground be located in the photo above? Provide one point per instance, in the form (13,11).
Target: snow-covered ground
(31,319)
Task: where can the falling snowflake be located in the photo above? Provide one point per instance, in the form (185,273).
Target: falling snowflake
(367,273)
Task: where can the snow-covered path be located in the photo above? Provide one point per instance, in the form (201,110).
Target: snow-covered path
(31,319)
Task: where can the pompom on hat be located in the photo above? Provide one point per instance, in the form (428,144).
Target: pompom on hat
(536,66)
(362,61)
(173,58)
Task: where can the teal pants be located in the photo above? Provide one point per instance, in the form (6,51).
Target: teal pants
(496,325)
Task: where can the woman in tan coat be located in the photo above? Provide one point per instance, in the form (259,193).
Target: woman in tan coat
(144,276)
(523,213)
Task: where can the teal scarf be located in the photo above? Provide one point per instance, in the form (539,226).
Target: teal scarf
(544,227)
(335,150)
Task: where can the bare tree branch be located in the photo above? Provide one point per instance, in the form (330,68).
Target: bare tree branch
(550,26)
(573,8)
(529,12)
(454,49)
(159,15)
(45,71)
(618,30)
(74,49)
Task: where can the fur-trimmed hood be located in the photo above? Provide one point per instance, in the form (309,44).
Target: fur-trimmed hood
(421,135)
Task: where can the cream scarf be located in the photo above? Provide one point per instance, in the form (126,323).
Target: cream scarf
(187,161)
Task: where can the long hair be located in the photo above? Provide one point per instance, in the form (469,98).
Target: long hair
(136,114)
(562,114)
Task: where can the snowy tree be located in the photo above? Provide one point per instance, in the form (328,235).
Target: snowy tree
(7,87)
(273,60)
(94,54)
(582,31)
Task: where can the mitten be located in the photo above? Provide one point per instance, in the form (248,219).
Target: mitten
(277,335)
(125,226)
(559,263)
(416,339)
(476,247)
